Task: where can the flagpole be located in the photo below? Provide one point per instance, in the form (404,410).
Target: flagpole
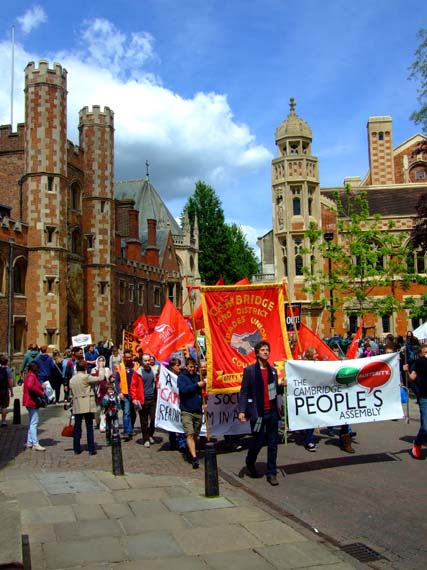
(196,344)
(292,315)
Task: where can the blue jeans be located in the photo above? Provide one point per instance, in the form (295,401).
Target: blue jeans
(309,436)
(422,434)
(78,418)
(33,415)
(127,407)
(269,434)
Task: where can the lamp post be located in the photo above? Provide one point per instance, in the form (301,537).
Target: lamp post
(328,237)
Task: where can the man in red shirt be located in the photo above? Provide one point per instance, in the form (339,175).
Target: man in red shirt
(258,404)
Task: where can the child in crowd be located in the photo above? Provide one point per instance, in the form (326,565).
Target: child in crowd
(110,406)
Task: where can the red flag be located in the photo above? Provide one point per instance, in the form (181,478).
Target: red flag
(352,349)
(140,326)
(170,334)
(308,338)
(198,311)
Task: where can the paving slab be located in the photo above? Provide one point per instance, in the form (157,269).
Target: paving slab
(147,508)
(138,494)
(240,560)
(89,512)
(84,530)
(10,538)
(299,555)
(71,554)
(192,503)
(67,482)
(39,532)
(32,499)
(181,563)
(117,510)
(216,517)
(50,515)
(95,498)
(166,521)
(274,532)
(151,545)
(217,539)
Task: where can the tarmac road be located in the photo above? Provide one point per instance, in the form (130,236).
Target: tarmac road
(376,497)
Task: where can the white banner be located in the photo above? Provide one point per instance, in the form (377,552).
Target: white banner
(333,393)
(81,340)
(222,409)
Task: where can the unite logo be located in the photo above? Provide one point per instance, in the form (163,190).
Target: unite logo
(165,331)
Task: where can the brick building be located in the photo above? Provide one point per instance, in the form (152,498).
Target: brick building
(397,177)
(72,258)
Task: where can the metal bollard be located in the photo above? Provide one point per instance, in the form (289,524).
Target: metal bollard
(16,411)
(116,450)
(211,471)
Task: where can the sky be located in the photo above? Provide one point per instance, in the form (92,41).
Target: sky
(198,87)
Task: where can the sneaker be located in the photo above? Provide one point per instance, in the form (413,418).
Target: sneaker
(28,445)
(272,479)
(195,463)
(127,437)
(151,440)
(311,447)
(39,447)
(147,444)
(416,451)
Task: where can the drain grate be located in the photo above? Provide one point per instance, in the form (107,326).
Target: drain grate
(361,552)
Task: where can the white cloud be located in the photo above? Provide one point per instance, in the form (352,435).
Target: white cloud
(32,19)
(184,139)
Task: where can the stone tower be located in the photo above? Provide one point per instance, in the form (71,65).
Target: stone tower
(44,205)
(296,199)
(380,145)
(97,141)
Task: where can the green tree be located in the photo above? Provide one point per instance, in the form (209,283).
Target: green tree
(365,258)
(223,249)
(419,231)
(242,258)
(418,71)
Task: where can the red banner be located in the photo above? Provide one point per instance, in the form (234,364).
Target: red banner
(236,319)
(352,349)
(307,339)
(170,334)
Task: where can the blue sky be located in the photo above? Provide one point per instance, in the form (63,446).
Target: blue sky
(198,87)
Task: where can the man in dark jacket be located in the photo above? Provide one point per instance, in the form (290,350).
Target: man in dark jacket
(46,365)
(258,403)
(190,398)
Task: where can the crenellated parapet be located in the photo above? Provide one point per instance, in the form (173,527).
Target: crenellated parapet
(44,74)
(95,116)
(11,141)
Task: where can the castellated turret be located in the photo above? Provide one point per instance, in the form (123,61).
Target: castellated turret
(96,129)
(45,197)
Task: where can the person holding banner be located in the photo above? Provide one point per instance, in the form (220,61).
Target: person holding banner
(258,404)
(126,374)
(190,396)
(418,372)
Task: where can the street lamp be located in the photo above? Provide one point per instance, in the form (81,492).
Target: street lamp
(328,237)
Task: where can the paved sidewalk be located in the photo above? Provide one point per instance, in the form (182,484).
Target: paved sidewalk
(79,516)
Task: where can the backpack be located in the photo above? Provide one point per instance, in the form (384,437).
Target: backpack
(4,379)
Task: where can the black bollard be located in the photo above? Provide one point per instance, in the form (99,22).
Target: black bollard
(116,450)
(16,411)
(211,471)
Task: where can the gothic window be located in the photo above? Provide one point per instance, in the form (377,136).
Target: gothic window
(19,334)
(299,263)
(131,292)
(416,261)
(19,275)
(76,242)
(90,238)
(122,291)
(103,287)
(353,325)
(386,323)
(49,284)
(380,136)
(157,296)
(310,205)
(50,230)
(75,196)
(296,206)
(140,294)
(102,206)
(50,180)
(171,292)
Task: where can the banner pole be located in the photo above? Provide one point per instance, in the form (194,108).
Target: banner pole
(285,415)
(196,344)
(292,315)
